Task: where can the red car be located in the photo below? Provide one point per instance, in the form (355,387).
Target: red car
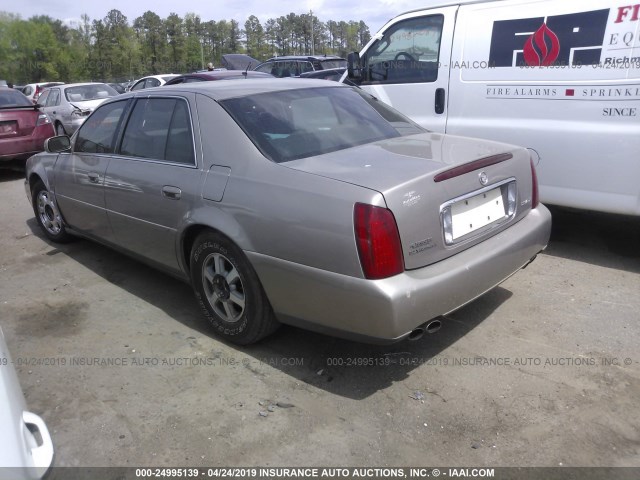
(23,127)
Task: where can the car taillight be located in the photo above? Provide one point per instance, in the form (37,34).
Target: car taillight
(535,196)
(43,119)
(36,94)
(378,241)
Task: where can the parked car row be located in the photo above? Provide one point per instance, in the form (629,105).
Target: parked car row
(60,109)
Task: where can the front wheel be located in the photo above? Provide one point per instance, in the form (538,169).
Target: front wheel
(229,291)
(60,129)
(48,215)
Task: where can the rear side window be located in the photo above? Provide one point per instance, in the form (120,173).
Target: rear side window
(159,129)
(96,135)
(53,99)
(267,67)
(42,99)
(407,53)
(138,86)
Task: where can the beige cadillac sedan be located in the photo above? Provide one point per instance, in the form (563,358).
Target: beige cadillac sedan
(281,201)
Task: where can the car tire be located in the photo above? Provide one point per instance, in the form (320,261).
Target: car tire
(229,291)
(47,214)
(60,129)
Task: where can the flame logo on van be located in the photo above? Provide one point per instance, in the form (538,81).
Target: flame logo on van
(542,48)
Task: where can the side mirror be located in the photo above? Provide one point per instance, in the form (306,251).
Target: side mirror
(354,70)
(58,144)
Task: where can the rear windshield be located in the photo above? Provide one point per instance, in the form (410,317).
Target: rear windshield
(293,124)
(12,98)
(84,93)
(326,64)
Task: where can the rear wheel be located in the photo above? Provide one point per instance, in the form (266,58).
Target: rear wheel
(47,214)
(229,291)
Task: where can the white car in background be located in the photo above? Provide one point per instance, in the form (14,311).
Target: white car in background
(151,81)
(26,450)
(33,90)
(68,106)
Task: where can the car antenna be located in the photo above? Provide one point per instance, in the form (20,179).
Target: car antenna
(246,70)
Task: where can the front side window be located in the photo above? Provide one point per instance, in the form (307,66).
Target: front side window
(97,133)
(152,82)
(294,124)
(407,53)
(159,129)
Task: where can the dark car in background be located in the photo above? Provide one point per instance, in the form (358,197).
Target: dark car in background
(333,74)
(295,65)
(216,75)
(23,126)
(238,61)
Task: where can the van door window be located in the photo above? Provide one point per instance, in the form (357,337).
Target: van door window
(407,53)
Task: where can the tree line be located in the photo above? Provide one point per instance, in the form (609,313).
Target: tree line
(113,49)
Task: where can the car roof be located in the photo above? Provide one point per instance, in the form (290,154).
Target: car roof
(222,74)
(67,85)
(306,57)
(226,90)
(160,76)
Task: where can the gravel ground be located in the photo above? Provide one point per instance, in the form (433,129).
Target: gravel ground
(116,357)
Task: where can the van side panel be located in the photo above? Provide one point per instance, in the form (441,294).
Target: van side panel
(561,78)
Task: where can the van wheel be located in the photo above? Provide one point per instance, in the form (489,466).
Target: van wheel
(229,291)
(48,215)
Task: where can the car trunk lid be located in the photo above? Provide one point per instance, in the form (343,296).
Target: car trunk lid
(446,193)
(17,122)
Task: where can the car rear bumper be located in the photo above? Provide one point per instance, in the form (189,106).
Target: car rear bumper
(384,311)
(23,147)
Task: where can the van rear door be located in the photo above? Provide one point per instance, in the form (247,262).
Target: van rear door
(406,65)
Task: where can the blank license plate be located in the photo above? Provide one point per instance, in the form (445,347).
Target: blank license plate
(476,212)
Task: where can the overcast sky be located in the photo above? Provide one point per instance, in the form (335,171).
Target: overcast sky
(373,12)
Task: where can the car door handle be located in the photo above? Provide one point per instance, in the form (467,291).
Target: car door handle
(173,193)
(440,100)
(93,177)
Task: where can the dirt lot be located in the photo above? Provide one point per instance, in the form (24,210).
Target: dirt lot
(116,357)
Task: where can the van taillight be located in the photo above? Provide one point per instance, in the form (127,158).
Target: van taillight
(378,241)
(535,196)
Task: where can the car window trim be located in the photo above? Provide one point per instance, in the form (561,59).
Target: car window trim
(134,101)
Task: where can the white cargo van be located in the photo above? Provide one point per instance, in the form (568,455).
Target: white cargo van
(559,77)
